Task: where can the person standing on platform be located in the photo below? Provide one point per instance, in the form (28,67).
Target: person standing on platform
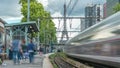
(31,49)
(16,48)
(24,49)
(10,52)
(40,50)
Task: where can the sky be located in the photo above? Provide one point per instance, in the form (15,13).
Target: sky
(57,5)
(10,10)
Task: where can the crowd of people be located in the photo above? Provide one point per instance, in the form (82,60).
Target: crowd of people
(22,51)
(19,50)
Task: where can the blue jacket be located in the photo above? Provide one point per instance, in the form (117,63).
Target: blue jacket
(16,45)
(31,46)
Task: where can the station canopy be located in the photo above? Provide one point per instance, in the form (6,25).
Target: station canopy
(32,26)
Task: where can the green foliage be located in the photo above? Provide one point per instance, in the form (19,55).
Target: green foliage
(25,1)
(47,27)
(116,8)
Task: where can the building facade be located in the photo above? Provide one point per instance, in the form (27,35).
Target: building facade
(92,16)
(109,7)
(2,32)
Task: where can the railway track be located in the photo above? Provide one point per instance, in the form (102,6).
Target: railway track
(68,63)
(62,64)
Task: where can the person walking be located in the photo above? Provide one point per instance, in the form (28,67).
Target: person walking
(10,53)
(40,50)
(24,49)
(16,50)
(31,49)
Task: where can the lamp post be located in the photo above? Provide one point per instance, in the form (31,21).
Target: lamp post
(28,13)
(39,31)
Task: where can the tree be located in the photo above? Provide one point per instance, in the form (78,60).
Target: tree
(116,8)
(47,27)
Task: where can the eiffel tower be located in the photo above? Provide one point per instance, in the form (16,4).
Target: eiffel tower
(64,32)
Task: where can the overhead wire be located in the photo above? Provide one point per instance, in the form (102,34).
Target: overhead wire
(60,20)
(73,7)
(69,4)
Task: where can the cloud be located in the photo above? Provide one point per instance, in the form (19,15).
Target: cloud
(9,9)
(44,2)
(57,6)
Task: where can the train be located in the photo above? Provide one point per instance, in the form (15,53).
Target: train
(101,39)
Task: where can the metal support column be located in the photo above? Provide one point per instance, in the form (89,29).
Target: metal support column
(28,13)
(26,30)
(64,32)
(38,32)
(11,33)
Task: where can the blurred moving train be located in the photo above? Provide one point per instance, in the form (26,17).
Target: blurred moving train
(101,39)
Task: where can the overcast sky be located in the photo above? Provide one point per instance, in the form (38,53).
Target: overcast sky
(10,9)
(79,5)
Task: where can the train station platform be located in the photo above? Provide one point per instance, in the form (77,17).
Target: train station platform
(41,61)
(46,61)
